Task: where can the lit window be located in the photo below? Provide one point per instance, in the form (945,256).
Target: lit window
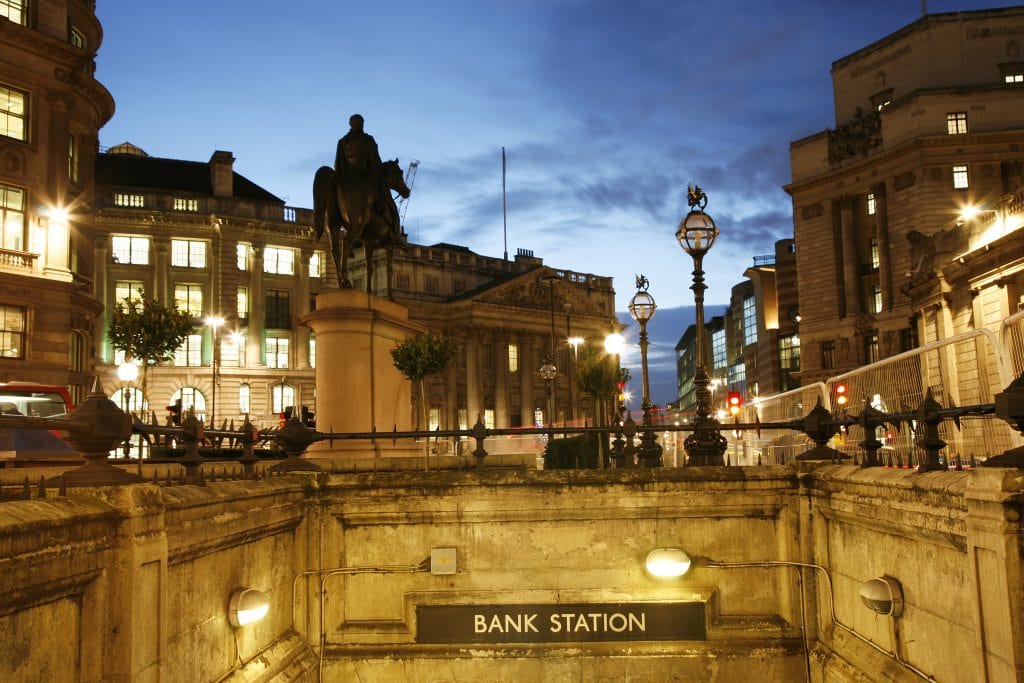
(1014,78)
(312,350)
(960,181)
(279,261)
(188,253)
(244,398)
(956,122)
(749,321)
(876,299)
(718,356)
(737,376)
(242,303)
(282,396)
(277,353)
(489,418)
(314,264)
(190,353)
(872,206)
(12,332)
(871,348)
(232,350)
(882,100)
(130,249)
(12,215)
(75,37)
(289,214)
(191,398)
(134,201)
(13,110)
(242,255)
(189,299)
(72,158)
(513,357)
(185,204)
(127,290)
(1012,73)
(789,360)
(434,420)
(874,253)
(13,11)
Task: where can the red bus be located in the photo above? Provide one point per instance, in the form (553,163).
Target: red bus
(35,400)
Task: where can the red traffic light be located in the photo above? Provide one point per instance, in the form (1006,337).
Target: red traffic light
(841,396)
(735,402)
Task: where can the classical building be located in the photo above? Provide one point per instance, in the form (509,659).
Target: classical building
(51,109)
(929,125)
(219,246)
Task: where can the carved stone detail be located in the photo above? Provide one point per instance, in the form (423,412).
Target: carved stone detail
(858,136)
(904,180)
(812,211)
(12,160)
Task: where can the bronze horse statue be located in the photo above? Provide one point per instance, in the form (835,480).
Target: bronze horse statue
(352,210)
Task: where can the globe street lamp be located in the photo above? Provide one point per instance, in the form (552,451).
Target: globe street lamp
(696,235)
(215,322)
(641,308)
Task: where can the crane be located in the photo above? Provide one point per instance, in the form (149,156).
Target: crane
(410,179)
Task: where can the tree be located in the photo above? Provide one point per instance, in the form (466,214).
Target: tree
(420,357)
(598,376)
(148,331)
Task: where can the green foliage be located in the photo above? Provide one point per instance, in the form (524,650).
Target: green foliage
(597,376)
(424,355)
(577,452)
(147,330)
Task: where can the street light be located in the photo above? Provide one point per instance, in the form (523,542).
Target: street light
(548,370)
(614,344)
(574,363)
(696,235)
(215,322)
(641,308)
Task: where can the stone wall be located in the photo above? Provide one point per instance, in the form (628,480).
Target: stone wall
(133,583)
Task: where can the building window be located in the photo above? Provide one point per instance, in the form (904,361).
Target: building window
(232,350)
(749,321)
(488,357)
(133,201)
(458,287)
(960,180)
(872,206)
(289,214)
(277,309)
(72,158)
(789,360)
(431,285)
(185,204)
(875,258)
(13,109)
(282,397)
(277,352)
(1012,73)
(12,332)
(188,253)
(489,418)
(188,298)
(956,122)
(190,353)
(191,399)
(78,351)
(12,215)
(242,255)
(244,399)
(315,259)
(908,338)
(882,100)
(871,349)
(128,290)
(279,261)
(75,37)
(130,249)
(434,419)
(242,305)
(737,376)
(402,281)
(513,357)
(312,350)
(828,355)
(13,11)
(876,299)
(718,355)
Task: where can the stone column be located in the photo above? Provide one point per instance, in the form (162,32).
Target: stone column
(851,279)
(474,406)
(501,417)
(450,412)
(358,388)
(161,266)
(302,294)
(254,335)
(526,370)
(884,257)
(100,290)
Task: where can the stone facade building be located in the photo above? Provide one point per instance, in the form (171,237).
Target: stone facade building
(51,109)
(929,123)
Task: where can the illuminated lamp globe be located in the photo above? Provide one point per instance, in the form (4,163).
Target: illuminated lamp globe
(247,605)
(697,233)
(642,307)
(548,371)
(614,343)
(667,563)
(127,372)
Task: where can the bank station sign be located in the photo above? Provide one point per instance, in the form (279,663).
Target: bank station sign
(560,623)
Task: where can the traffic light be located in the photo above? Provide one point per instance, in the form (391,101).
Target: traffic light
(735,402)
(174,412)
(622,392)
(841,396)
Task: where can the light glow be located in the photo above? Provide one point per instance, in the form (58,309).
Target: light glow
(614,343)
(667,563)
(247,606)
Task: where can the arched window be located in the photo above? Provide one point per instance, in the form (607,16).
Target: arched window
(281,396)
(130,400)
(244,395)
(191,398)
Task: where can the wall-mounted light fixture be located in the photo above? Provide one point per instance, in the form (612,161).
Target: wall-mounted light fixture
(883,595)
(247,605)
(667,563)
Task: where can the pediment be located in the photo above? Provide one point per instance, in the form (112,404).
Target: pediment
(532,292)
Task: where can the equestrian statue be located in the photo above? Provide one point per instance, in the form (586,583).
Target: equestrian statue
(353,201)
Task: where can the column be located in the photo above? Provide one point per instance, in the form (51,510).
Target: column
(254,336)
(526,370)
(474,407)
(884,257)
(100,290)
(851,279)
(302,294)
(501,418)
(161,266)
(450,410)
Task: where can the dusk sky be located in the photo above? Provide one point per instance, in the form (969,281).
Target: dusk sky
(607,109)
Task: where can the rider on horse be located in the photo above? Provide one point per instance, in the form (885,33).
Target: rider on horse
(357,155)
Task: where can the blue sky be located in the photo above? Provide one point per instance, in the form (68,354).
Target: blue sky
(607,109)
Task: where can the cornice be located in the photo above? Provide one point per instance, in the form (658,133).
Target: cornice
(158,219)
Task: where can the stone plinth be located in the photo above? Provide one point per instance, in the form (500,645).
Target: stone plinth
(358,388)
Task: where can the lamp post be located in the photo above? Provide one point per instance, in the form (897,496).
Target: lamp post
(574,360)
(614,344)
(548,370)
(127,372)
(696,235)
(215,322)
(641,308)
